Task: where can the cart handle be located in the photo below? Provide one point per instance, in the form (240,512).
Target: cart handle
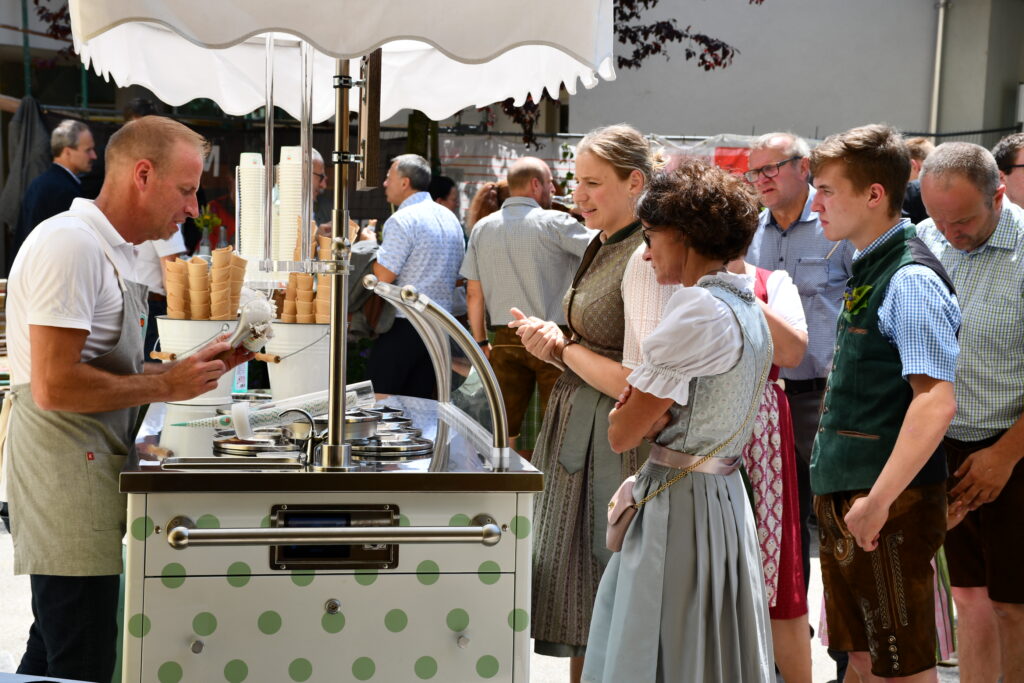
(181,537)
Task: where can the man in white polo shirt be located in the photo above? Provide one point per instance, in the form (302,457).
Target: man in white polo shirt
(76,322)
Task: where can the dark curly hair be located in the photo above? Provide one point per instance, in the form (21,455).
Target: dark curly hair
(713,209)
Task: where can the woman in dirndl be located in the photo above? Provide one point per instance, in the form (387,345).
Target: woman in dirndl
(684,598)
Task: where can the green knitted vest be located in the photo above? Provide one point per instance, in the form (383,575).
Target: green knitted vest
(866,397)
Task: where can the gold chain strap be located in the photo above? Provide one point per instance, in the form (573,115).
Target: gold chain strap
(750,414)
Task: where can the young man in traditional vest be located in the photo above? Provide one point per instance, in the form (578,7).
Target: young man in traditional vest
(878,470)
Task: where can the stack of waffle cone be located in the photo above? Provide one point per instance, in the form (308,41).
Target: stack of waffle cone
(322,302)
(177,290)
(198,289)
(226,278)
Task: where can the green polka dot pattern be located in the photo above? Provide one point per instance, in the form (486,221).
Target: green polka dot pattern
(204,624)
(303,577)
(396,620)
(265,522)
(173,575)
(269,622)
(169,672)
(142,528)
(237,671)
(427,572)
(520,527)
(518,619)
(300,670)
(333,623)
(458,620)
(363,669)
(487,667)
(489,572)
(425,668)
(207,522)
(138,625)
(366,577)
(459,520)
(403,521)
(238,574)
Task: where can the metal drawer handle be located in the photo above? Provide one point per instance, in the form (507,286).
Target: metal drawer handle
(183,534)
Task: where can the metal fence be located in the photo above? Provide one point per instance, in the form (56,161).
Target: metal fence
(986,138)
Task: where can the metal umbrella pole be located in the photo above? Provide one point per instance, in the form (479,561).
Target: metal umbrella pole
(336,454)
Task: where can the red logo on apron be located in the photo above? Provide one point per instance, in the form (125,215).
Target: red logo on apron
(90,456)
(142,321)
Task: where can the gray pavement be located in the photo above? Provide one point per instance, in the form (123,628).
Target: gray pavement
(16,616)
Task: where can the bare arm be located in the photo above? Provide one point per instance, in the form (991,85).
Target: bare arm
(985,472)
(60,381)
(635,416)
(790,343)
(931,410)
(383,274)
(476,309)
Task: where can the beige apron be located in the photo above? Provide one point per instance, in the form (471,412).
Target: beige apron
(67,513)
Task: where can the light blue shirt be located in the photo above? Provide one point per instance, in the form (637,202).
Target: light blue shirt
(423,247)
(990,286)
(819,268)
(919,316)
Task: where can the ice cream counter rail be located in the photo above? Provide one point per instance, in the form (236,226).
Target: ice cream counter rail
(237,575)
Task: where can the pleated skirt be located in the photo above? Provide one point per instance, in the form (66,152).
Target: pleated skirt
(685,598)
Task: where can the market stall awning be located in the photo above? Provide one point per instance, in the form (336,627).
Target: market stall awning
(438,57)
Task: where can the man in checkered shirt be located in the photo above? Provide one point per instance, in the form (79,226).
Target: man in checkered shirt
(979,237)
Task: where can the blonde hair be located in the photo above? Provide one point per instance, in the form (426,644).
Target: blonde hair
(919,148)
(624,148)
(152,138)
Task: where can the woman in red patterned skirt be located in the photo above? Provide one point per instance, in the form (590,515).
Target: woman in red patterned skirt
(770,463)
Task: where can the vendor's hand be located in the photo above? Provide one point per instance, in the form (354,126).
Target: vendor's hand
(541,338)
(237,356)
(196,374)
(982,477)
(623,397)
(865,521)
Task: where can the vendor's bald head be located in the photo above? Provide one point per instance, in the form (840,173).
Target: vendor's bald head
(531,177)
(153,169)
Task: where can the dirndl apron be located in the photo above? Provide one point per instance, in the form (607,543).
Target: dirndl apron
(67,513)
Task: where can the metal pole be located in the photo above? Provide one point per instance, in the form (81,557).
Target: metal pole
(85,87)
(335,454)
(268,154)
(940,30)
(26,55)
(306,140)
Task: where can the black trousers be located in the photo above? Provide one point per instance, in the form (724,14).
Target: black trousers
(155,308)
(806,410)
(74,634)
(399,363)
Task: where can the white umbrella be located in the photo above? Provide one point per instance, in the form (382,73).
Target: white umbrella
(438,57)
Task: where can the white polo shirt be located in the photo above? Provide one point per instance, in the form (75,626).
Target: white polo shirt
(62,278)
(148,255)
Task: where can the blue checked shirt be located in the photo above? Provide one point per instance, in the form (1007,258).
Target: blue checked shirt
(919,316)
(990,285)
(423,246)
(819,268)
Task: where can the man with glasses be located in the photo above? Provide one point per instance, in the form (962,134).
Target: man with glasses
(1009,154)
(790,238)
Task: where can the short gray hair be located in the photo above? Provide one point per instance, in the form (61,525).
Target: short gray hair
(416,169)
(970,161)
(797,146)
(314,155)
(66,134)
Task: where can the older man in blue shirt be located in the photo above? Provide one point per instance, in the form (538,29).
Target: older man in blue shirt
(423,247)
(790,238)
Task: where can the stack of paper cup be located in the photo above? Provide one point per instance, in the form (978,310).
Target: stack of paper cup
(251,208)
(289,182)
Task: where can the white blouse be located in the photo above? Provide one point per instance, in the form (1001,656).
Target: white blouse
(644,302)
(698,336)
(784,299)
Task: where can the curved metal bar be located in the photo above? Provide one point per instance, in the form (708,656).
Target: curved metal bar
(182,537)
(412,301)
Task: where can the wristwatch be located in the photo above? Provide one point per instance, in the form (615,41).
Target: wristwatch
(483,342)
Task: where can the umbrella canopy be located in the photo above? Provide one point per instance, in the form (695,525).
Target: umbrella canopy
(439,56)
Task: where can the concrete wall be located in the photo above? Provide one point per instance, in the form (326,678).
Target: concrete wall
(811,66)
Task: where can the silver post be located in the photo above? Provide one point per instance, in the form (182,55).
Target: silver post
(336,454)
(306,141)
(268,154)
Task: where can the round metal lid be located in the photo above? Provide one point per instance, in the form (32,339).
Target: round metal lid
(379,448)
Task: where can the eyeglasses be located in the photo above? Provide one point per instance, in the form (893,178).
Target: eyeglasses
(1013,166)
(323,177)
(768,170)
